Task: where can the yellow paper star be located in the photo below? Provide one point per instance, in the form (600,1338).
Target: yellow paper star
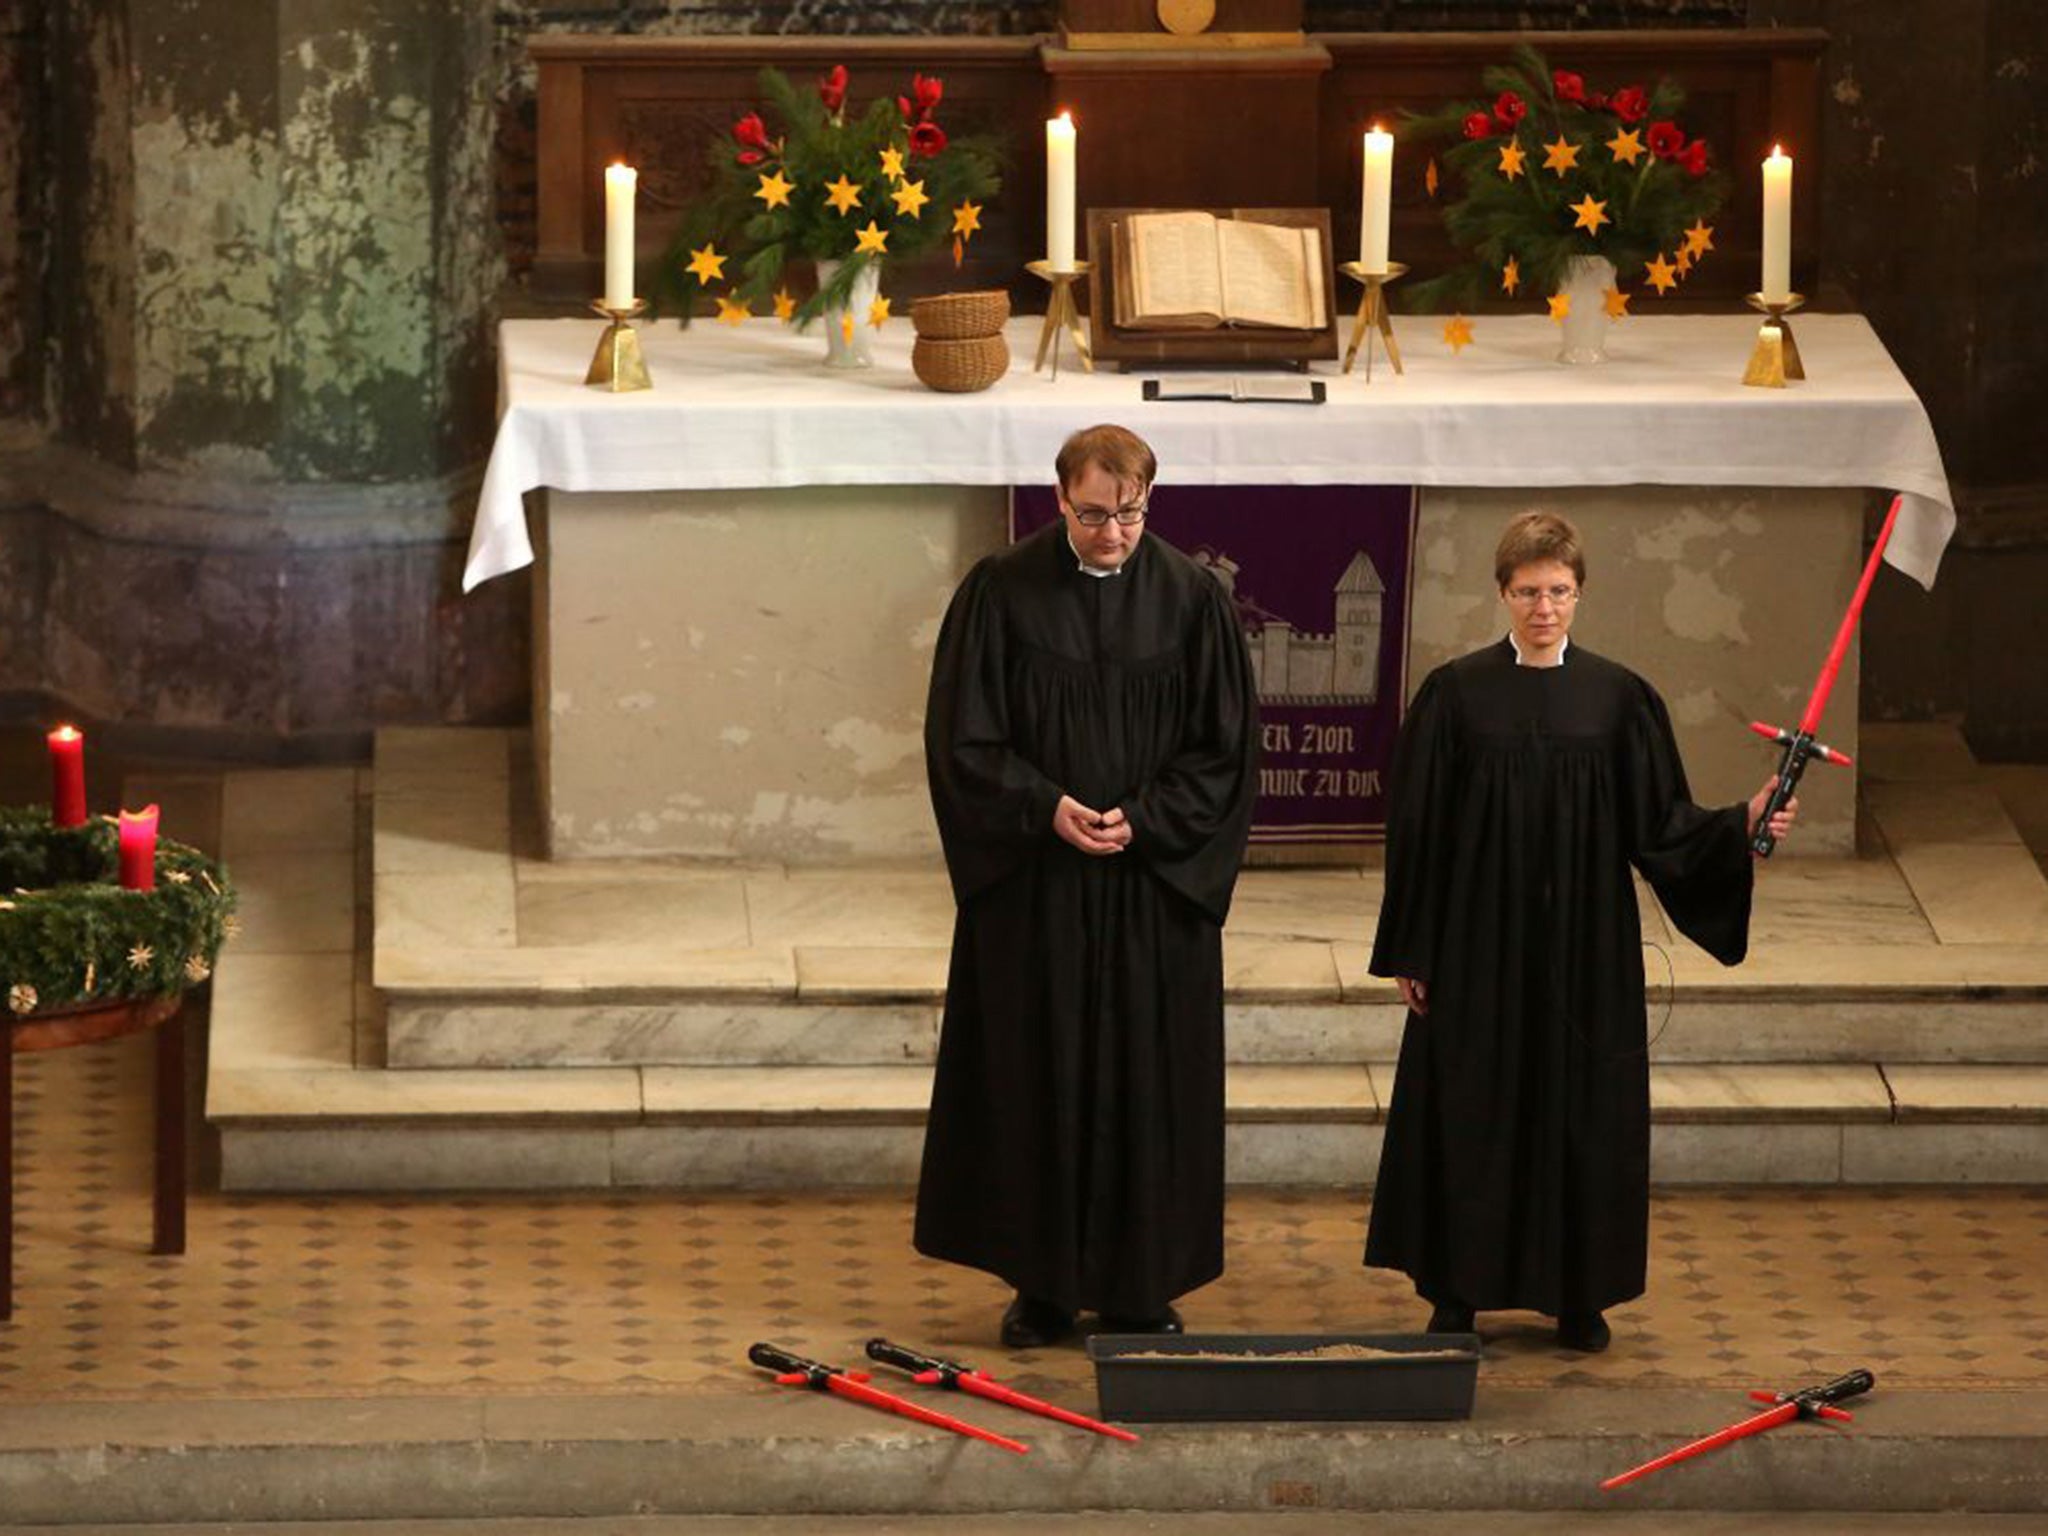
(1699,239)
(1616,304)
(1457,333)
(1592,214)
(966,219)
(1511,277)
(842,195)
(1511,158)
(731,311)
(706,265)
(892,163)
(1561,157)
(1661,274)
(873,238)
(878,312)
(1560,306)
(910,199)
(1626,146)
(774,190)
(1429,178)
(785,305)
(1684,265)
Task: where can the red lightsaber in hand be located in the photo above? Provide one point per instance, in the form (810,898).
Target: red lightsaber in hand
(930,1371)
(1800,747)
(795,1371)
(1807,1403)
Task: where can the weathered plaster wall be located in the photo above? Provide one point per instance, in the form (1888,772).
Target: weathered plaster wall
(21,208)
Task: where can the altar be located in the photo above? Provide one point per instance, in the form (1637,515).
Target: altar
(740,572)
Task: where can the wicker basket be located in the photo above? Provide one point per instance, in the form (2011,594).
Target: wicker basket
(960,367)
(961,316)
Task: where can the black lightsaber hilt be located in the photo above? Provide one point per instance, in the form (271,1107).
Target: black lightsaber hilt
(1800,748)
(1850,1384)
(944,1372)
(770,1357)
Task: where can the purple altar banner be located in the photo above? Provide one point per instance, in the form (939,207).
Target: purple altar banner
(1320,575)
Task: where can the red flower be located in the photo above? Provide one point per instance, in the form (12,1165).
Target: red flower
(1570,87)
(751,131)
(1695,158)
(927,139)
(751,157)
(928,90)
(1632,103)
(1509,109)
(1478,126)
(832,88)
(1598,101)
(909,112)
(1667,139)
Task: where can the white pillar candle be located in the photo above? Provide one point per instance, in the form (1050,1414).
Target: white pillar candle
(619,182)
(1059,192)
(1777,284)
(1376,206)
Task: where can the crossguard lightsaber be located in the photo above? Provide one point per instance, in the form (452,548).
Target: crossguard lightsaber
(931,1371)
(1800,746)
(795,1371)
(1807,1403)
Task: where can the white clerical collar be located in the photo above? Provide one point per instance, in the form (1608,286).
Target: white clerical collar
(1091,570)
(1563,641)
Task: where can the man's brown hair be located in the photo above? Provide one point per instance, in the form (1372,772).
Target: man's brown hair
(1117,451)
(1536,537)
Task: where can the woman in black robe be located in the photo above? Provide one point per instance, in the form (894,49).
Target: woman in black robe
(1529,778)
(1091,739)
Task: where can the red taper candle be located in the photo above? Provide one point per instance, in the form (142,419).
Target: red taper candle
(138,849)
(67,776)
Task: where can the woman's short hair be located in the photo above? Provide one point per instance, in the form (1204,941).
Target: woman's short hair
(1535,538)
(1118,451)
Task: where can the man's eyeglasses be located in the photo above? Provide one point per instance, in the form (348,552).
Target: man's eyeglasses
(1095,517)
(1529,597)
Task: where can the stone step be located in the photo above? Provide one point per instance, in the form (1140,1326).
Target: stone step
(799,1127)
(767,1452)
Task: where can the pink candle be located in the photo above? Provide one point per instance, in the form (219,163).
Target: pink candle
(67,776)
(138,849)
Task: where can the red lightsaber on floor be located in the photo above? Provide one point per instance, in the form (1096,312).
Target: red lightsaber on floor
(1807,1403)
(1800,747)
(795,1371)
(930,1371)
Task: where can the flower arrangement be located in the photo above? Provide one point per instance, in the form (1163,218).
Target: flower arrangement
(1550,169)
(71,936)
(810,177)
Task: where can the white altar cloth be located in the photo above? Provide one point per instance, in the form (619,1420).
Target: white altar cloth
(750,405)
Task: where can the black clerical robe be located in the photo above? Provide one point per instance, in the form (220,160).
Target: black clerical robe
(1517,1160)
(1075,1144)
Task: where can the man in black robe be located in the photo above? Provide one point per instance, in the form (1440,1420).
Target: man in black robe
(1091,739)
(1529,778)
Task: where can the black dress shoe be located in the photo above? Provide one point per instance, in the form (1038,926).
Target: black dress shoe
(1165,1321)
(1584,1331)
(1029,1323)
(1450,1317)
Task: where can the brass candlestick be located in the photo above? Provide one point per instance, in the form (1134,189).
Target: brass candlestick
(1061,312)
(1373,319)
(1772,363)
(617,365)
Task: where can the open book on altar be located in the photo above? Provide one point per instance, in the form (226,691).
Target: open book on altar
(1192,270)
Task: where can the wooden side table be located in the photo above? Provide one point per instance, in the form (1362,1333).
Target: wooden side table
(54,1031)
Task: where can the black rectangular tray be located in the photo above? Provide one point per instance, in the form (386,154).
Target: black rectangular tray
(1248,1386)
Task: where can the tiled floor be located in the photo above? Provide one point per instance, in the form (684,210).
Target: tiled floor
(339,1296)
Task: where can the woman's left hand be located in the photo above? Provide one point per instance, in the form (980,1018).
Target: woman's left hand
(1780,823)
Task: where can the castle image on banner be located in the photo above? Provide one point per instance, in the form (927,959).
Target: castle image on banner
(1300,667)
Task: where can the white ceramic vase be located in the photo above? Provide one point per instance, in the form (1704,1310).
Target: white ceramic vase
(1587,282)
(849,339)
